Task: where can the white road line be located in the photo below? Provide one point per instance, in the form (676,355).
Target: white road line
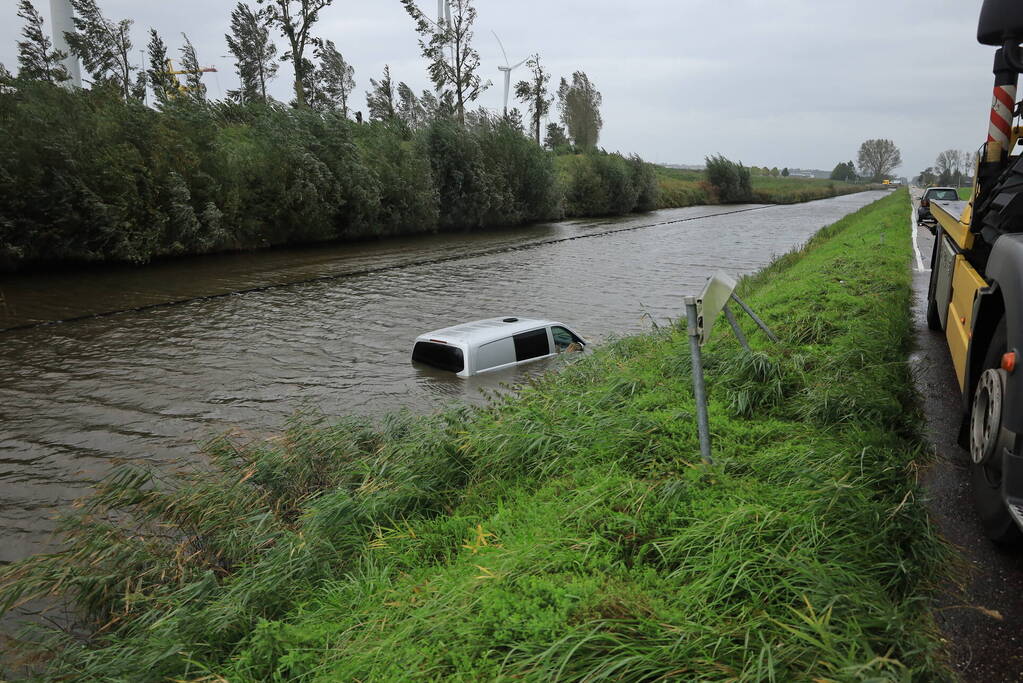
(916,247)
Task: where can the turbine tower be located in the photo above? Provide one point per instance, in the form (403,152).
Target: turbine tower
(507,71)
(61,22)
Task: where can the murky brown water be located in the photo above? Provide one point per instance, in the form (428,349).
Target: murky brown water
(149,385)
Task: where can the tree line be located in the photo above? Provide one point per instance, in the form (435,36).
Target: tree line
(322,78)
(99,175)
(951,167)
(877,159)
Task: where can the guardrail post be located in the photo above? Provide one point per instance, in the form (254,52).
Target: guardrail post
(735,328)
(699,389)
(756,318)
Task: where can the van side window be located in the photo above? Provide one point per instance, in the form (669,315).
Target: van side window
(500,352)
(563,338)
(531,345)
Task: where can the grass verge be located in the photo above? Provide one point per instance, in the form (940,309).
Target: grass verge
(568,533)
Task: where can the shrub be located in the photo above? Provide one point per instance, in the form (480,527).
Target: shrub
(729,179)
(602,184)
(463,185)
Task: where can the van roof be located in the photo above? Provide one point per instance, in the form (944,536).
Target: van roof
(485,331)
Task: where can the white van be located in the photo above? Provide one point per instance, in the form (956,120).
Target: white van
(494,344)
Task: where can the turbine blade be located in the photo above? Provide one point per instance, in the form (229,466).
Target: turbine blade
(520,63)
(506,62)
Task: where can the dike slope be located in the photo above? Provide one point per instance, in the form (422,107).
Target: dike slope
(567,533)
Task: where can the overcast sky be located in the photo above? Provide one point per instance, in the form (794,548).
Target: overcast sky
(797,83)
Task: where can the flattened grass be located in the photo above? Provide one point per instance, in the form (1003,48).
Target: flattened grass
(569,533)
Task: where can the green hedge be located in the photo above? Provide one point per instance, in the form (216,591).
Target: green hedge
(87,178)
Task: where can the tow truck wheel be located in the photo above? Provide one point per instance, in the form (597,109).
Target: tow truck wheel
(988,439)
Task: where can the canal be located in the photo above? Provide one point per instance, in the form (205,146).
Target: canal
(148,363)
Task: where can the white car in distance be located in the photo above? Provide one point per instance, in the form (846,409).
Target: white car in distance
(493,344)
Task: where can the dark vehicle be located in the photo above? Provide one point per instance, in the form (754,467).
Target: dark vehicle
(941,194)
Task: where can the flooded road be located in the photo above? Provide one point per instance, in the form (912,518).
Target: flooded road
(176,355)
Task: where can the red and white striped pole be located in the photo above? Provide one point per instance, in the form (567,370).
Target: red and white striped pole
(1001,115)
(1003,107)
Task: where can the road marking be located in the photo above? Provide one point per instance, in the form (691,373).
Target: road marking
(916,247)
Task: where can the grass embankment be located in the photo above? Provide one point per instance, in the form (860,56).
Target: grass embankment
(680,187)
(568,533)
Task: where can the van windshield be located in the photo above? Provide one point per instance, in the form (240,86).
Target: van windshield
(440,356)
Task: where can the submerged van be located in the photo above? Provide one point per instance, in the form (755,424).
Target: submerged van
(493,344)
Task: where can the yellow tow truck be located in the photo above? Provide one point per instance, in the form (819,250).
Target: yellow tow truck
(975,297)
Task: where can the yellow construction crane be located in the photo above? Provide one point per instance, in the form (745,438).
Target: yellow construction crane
(178,86)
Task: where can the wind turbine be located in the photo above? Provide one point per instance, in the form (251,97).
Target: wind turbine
(62,21)
(507,71)
(444,13)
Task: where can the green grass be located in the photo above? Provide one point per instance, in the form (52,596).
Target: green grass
(965,193)
(681,187)
(568,533)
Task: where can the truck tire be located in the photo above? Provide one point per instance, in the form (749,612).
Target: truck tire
(985,447)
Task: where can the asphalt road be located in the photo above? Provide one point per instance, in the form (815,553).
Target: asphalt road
(981,615)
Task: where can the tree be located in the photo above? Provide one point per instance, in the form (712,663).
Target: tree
(514,119)
(436,108)
(335,80)
(556,137)
(193,76)
(37,60)
(105,49)
(785,172)
(255,54)
(295,20)
(409,108)
(380,98)
(951,165)
(534,94)
(309,83)
(163,83)
(945,164)
(844,171)
(448,48)
(579,103)
(878,158)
